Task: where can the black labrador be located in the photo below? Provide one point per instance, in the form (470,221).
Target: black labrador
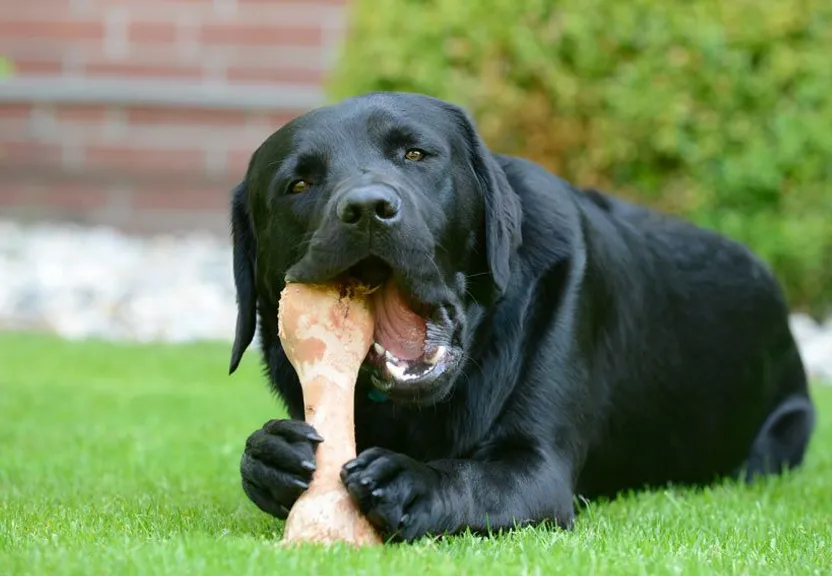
(534,342)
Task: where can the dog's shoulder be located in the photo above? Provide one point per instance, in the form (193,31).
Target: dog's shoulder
(618,229)
(551,216)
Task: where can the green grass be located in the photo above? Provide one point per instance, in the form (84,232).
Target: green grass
(118,459)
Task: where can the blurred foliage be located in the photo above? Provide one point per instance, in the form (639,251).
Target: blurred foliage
(718,111)
(6,67)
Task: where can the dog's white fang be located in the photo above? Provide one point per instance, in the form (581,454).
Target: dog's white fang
(436,356)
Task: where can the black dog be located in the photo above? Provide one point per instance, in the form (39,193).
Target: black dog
(535,342)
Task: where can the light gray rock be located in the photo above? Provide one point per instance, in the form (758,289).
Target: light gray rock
(89,282)
(95,282)
(817,355)
(804,327)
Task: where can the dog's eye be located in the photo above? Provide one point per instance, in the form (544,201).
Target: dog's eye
(298,186)
(414,155)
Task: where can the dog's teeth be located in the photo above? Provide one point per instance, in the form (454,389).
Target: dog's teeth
(398,372)
(437,355)
(390,358)
(379,349)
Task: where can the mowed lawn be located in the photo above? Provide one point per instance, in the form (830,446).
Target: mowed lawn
(122,459)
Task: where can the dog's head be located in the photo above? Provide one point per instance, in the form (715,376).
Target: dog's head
(398,191)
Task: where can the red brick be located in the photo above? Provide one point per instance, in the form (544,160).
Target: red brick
(238,155)
(75,196)
(265,124)
(237,161)
(164,53)
(36,10)
(146,60)
(27,67)
(141,159)
(86,114)
(41,49)
(275,74)
(294,2)
(67,30)
(14,194)
(64,195)
(275,121)
(289,14)
(79,125)
(100,6)
(182,3)
(81,198)
(141,70)
(173,11)
(267,56)
(164,31)
(25,153)
(15,111)
(180,198)
(122,158)
(260,35)
(14,129)
(190,117)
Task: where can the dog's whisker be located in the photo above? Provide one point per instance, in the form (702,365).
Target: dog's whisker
(441,247)
(476,275)
(473,298)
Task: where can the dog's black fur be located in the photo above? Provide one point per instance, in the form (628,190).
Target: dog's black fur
(600,346)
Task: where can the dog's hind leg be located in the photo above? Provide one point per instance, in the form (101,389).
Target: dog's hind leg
(783,437)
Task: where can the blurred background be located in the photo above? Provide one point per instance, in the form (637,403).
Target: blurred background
(142,114)
(124,124)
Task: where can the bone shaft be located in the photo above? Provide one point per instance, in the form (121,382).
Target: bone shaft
(328,405)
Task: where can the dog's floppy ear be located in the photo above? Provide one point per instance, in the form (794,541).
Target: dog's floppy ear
(503,212)
(244,256)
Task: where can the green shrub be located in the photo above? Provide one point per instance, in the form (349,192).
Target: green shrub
(5,68)
(714,110)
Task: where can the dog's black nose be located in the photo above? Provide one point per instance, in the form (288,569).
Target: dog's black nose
(376,202)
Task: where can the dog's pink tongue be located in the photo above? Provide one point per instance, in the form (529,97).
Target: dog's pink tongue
(398,328)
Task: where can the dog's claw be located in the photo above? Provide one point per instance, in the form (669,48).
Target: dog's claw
(314,437)
(303,485)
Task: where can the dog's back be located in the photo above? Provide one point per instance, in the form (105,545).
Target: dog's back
(713,383)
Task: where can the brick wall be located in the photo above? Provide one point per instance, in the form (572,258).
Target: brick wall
(142,113)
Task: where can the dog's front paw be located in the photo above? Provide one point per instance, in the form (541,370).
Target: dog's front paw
(278,463)
(397,494)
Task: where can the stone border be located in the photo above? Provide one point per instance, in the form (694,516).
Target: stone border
(162,93)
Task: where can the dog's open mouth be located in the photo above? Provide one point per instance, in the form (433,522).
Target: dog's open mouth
(401,348)
(408,347)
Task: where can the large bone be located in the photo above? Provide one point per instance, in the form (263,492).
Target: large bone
(326,331)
